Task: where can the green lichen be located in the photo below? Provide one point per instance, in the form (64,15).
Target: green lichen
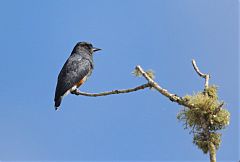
(137,73)
(207,116)
(202,140)
(149,72)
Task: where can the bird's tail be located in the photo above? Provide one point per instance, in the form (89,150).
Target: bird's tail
(58,103)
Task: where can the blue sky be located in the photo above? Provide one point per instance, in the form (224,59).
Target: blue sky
(163,35)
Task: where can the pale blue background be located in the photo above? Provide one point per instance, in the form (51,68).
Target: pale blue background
(36,37)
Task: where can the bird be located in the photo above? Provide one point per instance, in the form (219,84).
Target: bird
(75,71)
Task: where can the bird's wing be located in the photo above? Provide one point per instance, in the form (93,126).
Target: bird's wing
(74,70)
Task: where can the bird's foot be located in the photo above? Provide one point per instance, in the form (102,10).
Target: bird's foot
(76,92)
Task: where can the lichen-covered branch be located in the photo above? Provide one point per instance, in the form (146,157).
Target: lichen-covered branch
(204,138)
(211,146)
(205,76)
(77,92)
(212,152)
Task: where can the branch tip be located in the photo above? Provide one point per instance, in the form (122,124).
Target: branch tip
(205,76)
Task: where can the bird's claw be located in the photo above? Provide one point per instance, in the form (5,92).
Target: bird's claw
(76,92)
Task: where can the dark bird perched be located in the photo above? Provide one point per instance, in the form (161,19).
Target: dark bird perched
(75,71)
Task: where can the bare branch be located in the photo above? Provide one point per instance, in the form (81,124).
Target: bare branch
(205,76)
(77,92)
(151,84)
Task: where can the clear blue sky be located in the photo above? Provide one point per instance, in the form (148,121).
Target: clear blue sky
(36,37)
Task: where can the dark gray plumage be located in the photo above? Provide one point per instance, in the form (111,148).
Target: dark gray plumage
(75,71)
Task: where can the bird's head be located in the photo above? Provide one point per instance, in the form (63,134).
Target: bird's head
(86,46)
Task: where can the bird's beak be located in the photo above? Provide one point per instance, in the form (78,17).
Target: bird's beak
(96,49)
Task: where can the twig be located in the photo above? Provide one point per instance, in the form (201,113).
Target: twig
(205,76)
(77,92)
(172,97)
